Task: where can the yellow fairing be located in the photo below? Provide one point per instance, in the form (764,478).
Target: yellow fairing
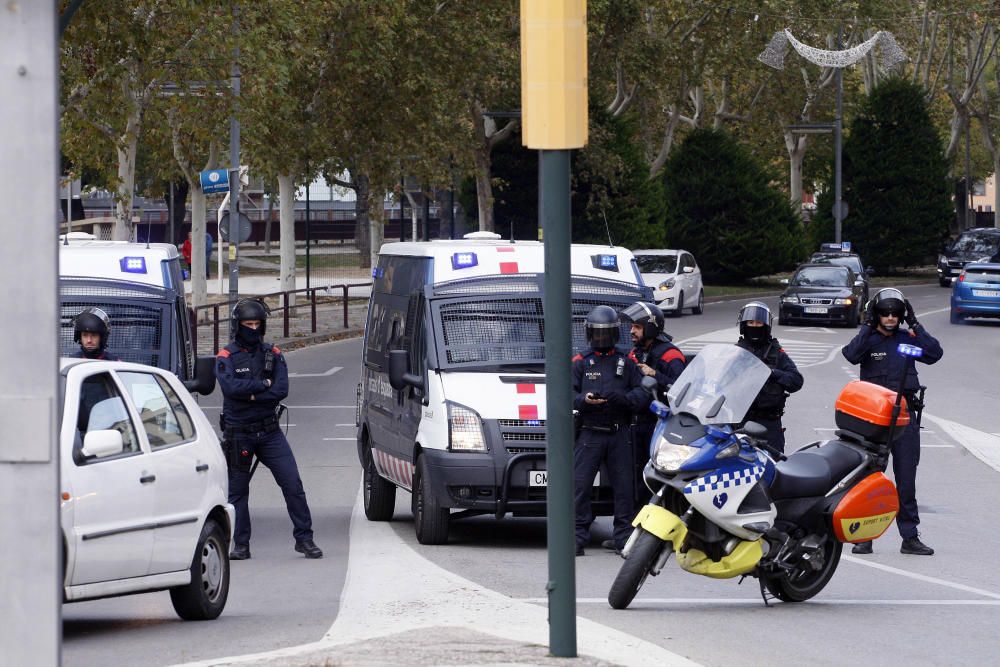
(663,523)
(668,527)
(743,559)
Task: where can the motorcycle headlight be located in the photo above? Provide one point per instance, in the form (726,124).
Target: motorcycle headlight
(465,429)
(667,284)
(669,457)
(791,298)
(846,301)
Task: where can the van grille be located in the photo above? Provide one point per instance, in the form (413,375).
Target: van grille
(539,437)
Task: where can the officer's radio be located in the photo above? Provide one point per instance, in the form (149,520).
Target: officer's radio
(620,369)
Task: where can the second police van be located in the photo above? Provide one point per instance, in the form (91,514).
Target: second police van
(451,405)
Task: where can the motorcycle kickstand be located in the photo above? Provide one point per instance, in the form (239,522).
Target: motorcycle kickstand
(765,594)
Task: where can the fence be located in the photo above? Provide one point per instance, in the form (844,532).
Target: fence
(317,320)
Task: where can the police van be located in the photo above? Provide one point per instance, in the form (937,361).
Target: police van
(451,404)
(140,286)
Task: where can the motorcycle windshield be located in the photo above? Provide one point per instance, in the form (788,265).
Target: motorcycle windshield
(719,384)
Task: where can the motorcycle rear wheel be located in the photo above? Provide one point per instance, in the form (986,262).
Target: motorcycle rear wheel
(810,584)
(635,569)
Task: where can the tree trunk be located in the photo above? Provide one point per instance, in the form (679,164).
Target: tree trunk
(126,152)
(376,208)
(178,209)
(267,225)
(484,188)
(413,215)
(199,284)
(796,147)
(362,222)
(286,216)
(996,190)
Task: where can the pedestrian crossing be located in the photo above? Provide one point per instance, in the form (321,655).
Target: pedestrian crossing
(804,353)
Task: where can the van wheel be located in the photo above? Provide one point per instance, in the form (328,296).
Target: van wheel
(429,519)
(700,308)
(205,597)
(380,494)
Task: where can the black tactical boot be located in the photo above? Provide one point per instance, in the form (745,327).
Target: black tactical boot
(862,548)
(913,545)
(240,552)
(309,548)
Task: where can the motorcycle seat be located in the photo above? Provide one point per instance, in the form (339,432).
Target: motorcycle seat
(812,472)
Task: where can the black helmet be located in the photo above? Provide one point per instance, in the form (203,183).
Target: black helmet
(755,311)
(249,309)
(603,328)
(889,301)
(92,320)
(648,315)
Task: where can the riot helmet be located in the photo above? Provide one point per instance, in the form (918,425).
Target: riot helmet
(889,301)
(92,320)
(603,328)
(755,311)
(648,316)
(249,309)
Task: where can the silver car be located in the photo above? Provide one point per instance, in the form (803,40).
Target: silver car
(675,278)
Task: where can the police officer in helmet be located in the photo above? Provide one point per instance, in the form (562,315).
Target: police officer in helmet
(755,336)
(875,349)
(91,329)
(254,380)
(658,358)
(607,392)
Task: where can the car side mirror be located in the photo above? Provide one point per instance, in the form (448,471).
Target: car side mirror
(858,282)
(204,377)
(784,281)
(688,269)
(399,378)
(755,430)
(102,443)
(649,385)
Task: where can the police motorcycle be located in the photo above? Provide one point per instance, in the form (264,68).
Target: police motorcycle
(724,506)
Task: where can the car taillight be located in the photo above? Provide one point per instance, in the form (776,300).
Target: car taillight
(961,278)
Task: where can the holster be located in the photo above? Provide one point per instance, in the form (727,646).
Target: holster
(239,454)
(577,425)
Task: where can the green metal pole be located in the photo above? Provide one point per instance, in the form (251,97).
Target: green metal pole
(554,218)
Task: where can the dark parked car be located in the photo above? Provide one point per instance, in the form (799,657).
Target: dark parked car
(822,293)
(850,260)
(976,292)
(973,245)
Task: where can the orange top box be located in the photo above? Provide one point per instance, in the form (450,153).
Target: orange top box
(866,409)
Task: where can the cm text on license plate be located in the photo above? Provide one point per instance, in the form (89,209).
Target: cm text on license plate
(541,478)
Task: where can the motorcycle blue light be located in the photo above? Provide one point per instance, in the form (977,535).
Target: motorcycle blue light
(464,260)
(910,350)
(132,264)
(716,433)
(659,409)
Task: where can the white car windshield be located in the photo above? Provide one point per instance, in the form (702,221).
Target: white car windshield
(656,263)
(719,384)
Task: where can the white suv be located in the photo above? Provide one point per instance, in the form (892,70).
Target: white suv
(144,486)
(675,279)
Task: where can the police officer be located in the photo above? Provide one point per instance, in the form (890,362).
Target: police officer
(91,329)
(875,349)
(607,391)
(254,379)
(657,358)
(755,336)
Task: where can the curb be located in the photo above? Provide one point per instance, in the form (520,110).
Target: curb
(298,342)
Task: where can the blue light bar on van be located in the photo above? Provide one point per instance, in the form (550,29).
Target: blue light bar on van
(605,262)
(377,272)
(464,260)
(133,264)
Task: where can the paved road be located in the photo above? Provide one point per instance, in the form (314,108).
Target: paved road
(884,609)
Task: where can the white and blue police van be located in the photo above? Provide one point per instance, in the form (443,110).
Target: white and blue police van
(451,404)
(140,286)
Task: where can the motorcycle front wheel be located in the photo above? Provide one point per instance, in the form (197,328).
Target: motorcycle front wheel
(790,588)
(635,569)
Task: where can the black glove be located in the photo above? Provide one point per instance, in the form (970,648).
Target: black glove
(910,317)
(870,318)
(616,399)
(775,375)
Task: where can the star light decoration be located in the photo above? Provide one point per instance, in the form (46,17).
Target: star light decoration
(774,54)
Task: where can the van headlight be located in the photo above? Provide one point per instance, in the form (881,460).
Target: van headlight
(465,429)
(669,457)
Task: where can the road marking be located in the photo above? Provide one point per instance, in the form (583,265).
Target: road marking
(804,353)
(317,375)
(921,577)
(351,424)
(704,602)
(351,439)
(923,446)
(984,446)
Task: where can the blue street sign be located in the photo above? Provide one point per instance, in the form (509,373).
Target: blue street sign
(214,180)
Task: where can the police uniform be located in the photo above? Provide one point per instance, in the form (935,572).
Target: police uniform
(882,364)
(103,355)
(603,436)
(251,429)
(785,379)
(667,362)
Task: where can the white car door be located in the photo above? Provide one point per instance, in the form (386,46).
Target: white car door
(112,496)
(182,477)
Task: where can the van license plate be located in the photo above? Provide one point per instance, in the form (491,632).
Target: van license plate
(541,478)
(985,292)
(819,310)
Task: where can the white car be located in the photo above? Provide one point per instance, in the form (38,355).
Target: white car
(675,279)
(143,487)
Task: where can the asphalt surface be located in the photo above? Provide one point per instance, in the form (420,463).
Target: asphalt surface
(379,597)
